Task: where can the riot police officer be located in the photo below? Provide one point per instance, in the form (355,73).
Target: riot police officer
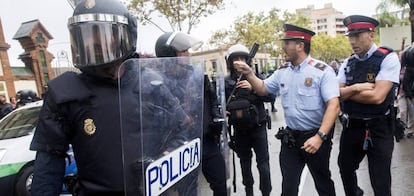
(367,85)
(86,113)
(26,96)
(178,44)
(250,129)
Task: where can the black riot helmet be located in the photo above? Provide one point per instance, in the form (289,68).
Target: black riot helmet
(407,57)
(102,33)
(26,96)
(168,44)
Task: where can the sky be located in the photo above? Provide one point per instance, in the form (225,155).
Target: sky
(53,15)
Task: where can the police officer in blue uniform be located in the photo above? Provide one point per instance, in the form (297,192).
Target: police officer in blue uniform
(309,93)
(86,113)
(178,44)
(367,84)
(248,119)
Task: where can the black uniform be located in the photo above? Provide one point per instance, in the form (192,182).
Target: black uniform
(370,128)
(213,164)
(86,115)
(369,131)
(250,134)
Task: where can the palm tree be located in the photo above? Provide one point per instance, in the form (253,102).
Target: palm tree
(403,3)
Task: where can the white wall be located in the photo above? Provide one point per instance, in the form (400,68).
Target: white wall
(393,36)
(25,84)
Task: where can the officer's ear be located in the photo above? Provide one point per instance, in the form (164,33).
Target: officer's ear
(371,34)
(300,45)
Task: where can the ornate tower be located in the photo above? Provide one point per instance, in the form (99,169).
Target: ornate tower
(6,78)
(34,39)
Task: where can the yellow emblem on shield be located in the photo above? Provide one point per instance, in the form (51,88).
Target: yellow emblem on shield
(89,126)
(370,77)
(308,82)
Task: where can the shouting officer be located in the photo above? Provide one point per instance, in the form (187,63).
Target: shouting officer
(249,119)
(86,113)
(367,82)
(309,92)
(178,44)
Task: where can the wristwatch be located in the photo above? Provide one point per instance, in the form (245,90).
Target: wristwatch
(322,135)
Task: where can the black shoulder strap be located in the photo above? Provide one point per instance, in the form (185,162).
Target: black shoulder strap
(68,87)
(377,56)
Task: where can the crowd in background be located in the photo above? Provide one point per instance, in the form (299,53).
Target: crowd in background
(22,98)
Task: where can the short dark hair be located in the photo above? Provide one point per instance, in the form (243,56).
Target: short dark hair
(307,45)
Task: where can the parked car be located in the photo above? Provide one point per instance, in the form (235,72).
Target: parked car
(16,160)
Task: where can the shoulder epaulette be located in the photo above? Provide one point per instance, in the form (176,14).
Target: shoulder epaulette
(320,66)
(385,50)
(62,92)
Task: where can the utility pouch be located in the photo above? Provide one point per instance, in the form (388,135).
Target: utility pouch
(242,112)
(286,137)
(397,125)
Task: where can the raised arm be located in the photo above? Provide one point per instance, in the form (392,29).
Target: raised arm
(257,83)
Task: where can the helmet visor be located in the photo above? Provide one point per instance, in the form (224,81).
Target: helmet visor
(182,42)
(96,43)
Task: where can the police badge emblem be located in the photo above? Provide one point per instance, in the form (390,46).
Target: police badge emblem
(89,126)
(89,4)
(308,82)
(371,77)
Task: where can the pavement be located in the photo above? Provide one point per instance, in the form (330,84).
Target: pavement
(402,167)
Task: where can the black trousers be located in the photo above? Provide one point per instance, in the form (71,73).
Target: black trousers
(248,138)
(379,155)
(293,160)
(214,167)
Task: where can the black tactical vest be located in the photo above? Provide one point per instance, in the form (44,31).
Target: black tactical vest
(365,71)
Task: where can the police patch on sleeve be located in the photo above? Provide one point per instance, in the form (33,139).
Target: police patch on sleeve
(89,126)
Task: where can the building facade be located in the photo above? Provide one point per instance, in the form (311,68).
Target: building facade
(326,20)
(34,39)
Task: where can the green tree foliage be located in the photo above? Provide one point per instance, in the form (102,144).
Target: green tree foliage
(387,19)
(180,14)
(327,48)
(265,29)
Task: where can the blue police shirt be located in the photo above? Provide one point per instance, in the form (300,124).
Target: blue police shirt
(304,90)
(388,69)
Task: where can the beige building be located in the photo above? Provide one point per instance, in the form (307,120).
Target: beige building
(215,60)
(326,20)
(37,71)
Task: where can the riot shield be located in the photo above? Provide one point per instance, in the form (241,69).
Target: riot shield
(161,107)
(218,81)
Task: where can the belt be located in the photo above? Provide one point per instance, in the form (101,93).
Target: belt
(302,133)
(363,122)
